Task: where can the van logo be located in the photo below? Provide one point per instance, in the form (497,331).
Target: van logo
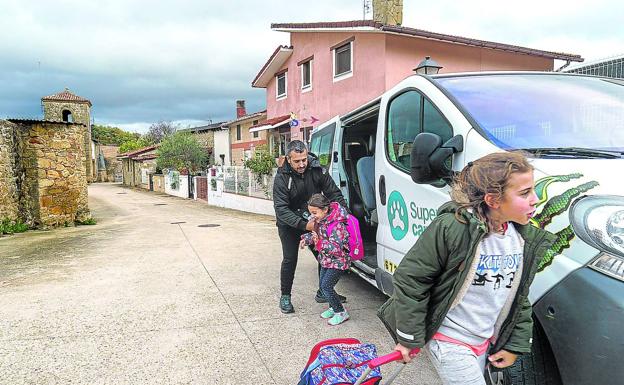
(554,207)
(397,215)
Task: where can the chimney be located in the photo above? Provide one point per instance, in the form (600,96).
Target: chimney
(388,12)
(240,108)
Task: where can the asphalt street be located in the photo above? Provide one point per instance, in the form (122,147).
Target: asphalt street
(164,290)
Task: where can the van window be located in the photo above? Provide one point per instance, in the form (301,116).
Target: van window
(321,144)
(435,123)
(403,125)
(533,111)
(409,114)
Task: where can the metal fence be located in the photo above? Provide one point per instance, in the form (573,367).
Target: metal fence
(239,180)
(613,68)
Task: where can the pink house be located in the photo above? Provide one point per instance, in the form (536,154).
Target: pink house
(330,68)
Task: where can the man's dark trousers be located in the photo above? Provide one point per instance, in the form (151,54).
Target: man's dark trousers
(290,238)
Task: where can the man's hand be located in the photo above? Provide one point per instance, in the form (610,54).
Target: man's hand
(502,359)
(310,225)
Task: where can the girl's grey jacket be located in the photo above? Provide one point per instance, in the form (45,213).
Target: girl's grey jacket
(433,275)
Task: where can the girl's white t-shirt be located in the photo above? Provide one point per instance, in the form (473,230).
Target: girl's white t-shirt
(472,321)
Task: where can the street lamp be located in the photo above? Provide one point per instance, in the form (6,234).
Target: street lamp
(428,67)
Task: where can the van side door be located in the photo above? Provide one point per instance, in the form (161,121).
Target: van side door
(325,144)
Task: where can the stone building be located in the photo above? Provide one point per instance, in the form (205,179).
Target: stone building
(138,167)
(68,107)
(206,137)
(9,206)
(42,172)
(108,167)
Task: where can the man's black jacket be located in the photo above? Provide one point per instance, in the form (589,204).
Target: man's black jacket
(291,191)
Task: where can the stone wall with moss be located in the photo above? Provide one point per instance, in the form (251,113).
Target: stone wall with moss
(8,187)
(53,173)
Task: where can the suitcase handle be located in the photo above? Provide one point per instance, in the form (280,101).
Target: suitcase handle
(394,356)
(376,362)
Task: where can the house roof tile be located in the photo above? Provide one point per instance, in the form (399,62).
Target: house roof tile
(376,26)
(67,96)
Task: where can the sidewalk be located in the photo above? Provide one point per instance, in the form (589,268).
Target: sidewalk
(136,299)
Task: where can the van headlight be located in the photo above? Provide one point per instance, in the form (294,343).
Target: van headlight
(599,221)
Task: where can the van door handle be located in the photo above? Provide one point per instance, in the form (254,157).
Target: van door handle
(335,156)
(382,190)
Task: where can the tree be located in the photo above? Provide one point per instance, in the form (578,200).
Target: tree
(261,164)
(157,132)
(181,150)
(133,144)
(108,135)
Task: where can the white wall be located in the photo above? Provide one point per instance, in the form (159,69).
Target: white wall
(182,191)
(238,202)
(222,146)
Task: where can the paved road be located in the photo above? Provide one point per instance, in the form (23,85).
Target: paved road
(137,299)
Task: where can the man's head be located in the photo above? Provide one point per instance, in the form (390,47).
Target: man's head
(297,156)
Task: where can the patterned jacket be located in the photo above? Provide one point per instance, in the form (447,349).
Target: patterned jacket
(333,248)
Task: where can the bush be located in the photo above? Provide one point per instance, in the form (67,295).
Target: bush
(90,221)
(8,226)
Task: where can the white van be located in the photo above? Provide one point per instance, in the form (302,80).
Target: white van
(393,159)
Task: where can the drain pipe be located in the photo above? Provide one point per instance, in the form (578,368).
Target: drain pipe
(563,66)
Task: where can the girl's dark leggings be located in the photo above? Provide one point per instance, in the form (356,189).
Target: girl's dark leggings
(329,279)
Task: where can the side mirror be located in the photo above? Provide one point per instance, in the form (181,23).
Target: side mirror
(430,159)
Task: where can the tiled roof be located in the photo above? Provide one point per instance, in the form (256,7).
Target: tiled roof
(248,116)
(66,95)
(272,122)
(372,25)
(34,120)
(207,127)
(132,154)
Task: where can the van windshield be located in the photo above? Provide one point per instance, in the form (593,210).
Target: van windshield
(544,111)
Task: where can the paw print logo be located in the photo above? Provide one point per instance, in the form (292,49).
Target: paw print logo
(397,215)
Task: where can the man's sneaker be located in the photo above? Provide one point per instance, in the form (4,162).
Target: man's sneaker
(338,318)
(285,304)
(320,298)
(327,314)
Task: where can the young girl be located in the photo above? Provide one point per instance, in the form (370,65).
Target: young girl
(461,291)
(331,239)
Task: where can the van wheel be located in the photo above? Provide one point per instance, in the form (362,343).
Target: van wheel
(537,368)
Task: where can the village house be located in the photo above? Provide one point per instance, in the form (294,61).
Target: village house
(138,167)
(206,136)
(243,141)
(330,68)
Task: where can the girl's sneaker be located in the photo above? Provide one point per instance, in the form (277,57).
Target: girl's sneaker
(327,313)
(338,318)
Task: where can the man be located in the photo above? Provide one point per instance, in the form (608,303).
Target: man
(297,179)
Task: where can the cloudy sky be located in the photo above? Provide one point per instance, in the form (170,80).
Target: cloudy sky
(187,61)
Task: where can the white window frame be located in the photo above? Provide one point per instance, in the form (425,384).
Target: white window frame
(345,75)
(308,87)
(285,94)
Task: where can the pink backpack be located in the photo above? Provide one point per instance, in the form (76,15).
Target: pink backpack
(356,245)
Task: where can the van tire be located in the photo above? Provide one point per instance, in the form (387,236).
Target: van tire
(536,368)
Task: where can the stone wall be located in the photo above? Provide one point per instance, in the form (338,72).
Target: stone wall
(8,188)
(51,169)
(81,113)
(112,171)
